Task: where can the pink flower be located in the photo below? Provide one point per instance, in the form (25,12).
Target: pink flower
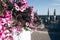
(3,21)
(4,4)
(9,38)
(0,27)
(3,28)
(0,38)
(19,23)
(18,29)
(16,7)
(2,34)
(31,24)
(22,8)
(27,24)
(8,14)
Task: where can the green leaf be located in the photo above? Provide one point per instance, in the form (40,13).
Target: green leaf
(5,0)
(7,26)
(15,23)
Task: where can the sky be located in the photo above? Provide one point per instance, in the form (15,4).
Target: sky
(43,5)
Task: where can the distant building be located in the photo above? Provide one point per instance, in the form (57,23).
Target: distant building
(48,17)
(54,15)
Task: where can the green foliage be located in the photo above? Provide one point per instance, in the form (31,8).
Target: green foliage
(19,4)
(15,23)
(1,8)
(27,10)
(5,1)
(22,16)
(7,26)
(10,6)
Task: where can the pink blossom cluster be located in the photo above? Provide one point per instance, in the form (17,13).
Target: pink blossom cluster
(22,8)
(7,19)
(3,30)
(8,14)
(4,34)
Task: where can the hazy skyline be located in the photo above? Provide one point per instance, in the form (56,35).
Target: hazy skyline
(43,5)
